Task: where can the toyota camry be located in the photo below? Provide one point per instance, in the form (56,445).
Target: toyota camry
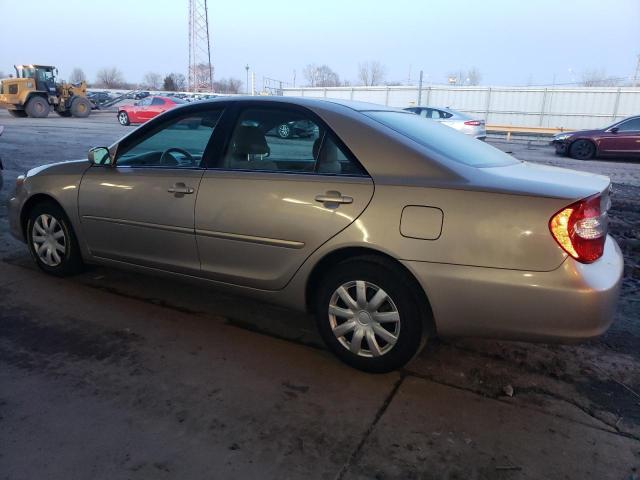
(390,228)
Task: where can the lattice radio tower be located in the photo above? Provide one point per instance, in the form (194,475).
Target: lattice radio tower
(200,70)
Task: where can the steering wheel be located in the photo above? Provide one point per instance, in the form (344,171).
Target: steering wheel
(164,156)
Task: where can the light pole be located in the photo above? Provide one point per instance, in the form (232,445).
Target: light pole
(247,69)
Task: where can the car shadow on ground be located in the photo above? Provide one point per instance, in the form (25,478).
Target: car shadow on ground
(596,382)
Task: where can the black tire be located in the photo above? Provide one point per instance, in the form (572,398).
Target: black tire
(70,259)
(582,150)
(123,118)
(403,298)
(80,107)
(38,107)
(284,131)
(64,113)
(18,113)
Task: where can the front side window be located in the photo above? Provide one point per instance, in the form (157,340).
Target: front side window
(632,125)
(178,144)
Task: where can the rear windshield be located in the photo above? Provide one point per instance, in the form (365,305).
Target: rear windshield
(444,140)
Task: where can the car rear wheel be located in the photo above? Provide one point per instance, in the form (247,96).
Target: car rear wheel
(38,107)
(369,315)
(52,242)
(80,107)
(582,150)
(123,119)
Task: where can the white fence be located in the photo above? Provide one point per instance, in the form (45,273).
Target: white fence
(552,107)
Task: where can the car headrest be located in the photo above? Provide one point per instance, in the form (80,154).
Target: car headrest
(327,156)
(249,140)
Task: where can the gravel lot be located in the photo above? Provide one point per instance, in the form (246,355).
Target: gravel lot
(115,375)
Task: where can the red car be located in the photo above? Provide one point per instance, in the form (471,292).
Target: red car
(622,139)
(146,109)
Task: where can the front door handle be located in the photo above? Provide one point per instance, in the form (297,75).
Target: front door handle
(333,197)
(181,188)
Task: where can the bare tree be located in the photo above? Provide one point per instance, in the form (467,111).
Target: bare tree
(598,78)
(473,76)
(109,78)
(174,82)
(77,76)
(371,73)
(152,80)
(203,77)
(227,85)
(320,76)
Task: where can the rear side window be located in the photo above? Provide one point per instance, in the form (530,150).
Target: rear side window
(444,140)
(288,141)
(157,101)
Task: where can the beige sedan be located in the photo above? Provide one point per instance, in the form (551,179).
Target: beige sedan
(390,228)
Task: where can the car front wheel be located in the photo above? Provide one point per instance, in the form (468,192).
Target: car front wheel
(123,118)
(582,150)
(368,313)
(52,242)
(284,131)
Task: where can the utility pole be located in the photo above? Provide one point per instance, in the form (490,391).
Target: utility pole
(200,69)
(420,89)
(247,84)
(636,76)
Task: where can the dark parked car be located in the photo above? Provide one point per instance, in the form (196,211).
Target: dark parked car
(622,139)
(301,129)
(141,95)
(98,98)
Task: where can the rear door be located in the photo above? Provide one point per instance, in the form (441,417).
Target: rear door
(270,201)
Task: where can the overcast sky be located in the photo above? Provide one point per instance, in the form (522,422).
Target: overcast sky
(510,42)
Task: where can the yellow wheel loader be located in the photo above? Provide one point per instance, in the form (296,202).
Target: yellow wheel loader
(34,92)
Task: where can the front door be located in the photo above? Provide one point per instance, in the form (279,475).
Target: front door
(273,201)
(624,141)
(141,210)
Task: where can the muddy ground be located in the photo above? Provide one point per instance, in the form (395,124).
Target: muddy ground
(112,374)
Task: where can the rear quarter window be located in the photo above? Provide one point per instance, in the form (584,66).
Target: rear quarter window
(442,139)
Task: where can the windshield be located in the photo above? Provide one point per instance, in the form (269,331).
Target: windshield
(444,140)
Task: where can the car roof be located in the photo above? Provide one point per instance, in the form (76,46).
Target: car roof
(307,101)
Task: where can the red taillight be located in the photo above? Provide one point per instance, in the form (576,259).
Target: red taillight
(475,123)
(581,229)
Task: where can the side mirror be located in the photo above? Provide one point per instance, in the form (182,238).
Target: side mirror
(614,130)
(99,156)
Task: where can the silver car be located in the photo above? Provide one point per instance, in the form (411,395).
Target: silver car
(474,127)
(391,228)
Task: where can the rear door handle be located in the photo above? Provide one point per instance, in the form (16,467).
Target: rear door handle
(181,188)
(333,197)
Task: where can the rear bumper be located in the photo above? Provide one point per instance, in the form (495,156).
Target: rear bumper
(574,302)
